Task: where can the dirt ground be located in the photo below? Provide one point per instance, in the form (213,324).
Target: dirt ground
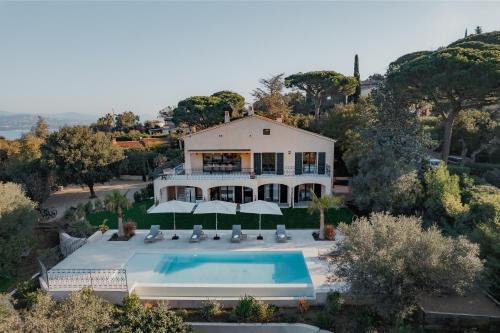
(74,194)
(474,303)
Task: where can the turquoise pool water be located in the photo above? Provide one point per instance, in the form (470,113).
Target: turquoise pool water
(219,268)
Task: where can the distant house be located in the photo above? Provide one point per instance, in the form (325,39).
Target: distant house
(160,127)
(251,158)
(372,82)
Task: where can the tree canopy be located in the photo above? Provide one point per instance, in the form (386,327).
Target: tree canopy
(318,85)
(384,156)
(464,75)
(269,98)
(16,222)
(207,111)
(394,260)
(80,156)
(125,121)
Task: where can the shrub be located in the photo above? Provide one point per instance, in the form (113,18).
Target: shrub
(330,232)
(211,309)
(334,302)
(302,305)
(458,169)
(291,318)
(88,207)
(137,318)
(138,196)
(9,318)
(183,313)
(480,168)
(129,228)
(144,193)
(493,177)
(98,205)
(244,309)
(323,320)
(263,312)
(81,228)
(250,309)
(26,292)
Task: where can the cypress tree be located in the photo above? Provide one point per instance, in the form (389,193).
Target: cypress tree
(357,94)
(465,33)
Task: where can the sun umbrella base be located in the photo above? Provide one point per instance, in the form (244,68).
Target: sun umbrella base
(175,237)
(260,237)
(216,237)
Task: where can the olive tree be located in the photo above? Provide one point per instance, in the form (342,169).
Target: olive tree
(82,312)
(80,156)
(394,260)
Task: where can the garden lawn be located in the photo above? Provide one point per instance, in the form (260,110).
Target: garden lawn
(293,218)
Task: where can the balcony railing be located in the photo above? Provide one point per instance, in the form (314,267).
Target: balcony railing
(73,279)
(180,173)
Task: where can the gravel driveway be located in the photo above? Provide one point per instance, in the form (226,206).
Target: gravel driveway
(72,195)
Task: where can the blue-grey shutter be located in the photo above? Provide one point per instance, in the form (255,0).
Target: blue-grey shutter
(317,190)
(279,163)
(257,163)
(321,163)
(260,192)
(298,163)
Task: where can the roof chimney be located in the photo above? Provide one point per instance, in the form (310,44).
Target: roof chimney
(226,117)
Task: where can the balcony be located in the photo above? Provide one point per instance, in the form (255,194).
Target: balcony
(180,173)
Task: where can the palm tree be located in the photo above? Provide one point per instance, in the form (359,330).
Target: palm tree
(322,204)
(115,202)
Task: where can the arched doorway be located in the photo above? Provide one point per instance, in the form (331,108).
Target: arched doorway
(303,192)
(277,193)
(182,193)
(236,194)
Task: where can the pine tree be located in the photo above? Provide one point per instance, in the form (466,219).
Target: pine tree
(479,30)
(357,94)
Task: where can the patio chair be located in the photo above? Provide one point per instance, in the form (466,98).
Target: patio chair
(154,234)
(281,234)
(198,234)
(237,235)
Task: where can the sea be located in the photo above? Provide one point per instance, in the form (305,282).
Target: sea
(17,133)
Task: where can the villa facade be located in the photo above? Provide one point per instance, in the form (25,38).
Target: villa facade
(248,159)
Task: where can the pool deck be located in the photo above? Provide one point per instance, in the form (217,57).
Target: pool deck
(104,254)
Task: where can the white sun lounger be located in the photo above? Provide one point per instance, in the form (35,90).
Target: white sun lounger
(198,234)
(281,234)
(154,234)
(237,235)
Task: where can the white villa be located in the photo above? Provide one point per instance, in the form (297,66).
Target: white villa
(239,161)
(248,159)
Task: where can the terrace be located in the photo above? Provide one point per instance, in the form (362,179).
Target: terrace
(103,265)
(230,172)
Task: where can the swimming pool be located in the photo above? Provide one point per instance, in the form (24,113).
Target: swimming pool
(220,273)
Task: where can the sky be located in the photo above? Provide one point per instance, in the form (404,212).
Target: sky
(96,57)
